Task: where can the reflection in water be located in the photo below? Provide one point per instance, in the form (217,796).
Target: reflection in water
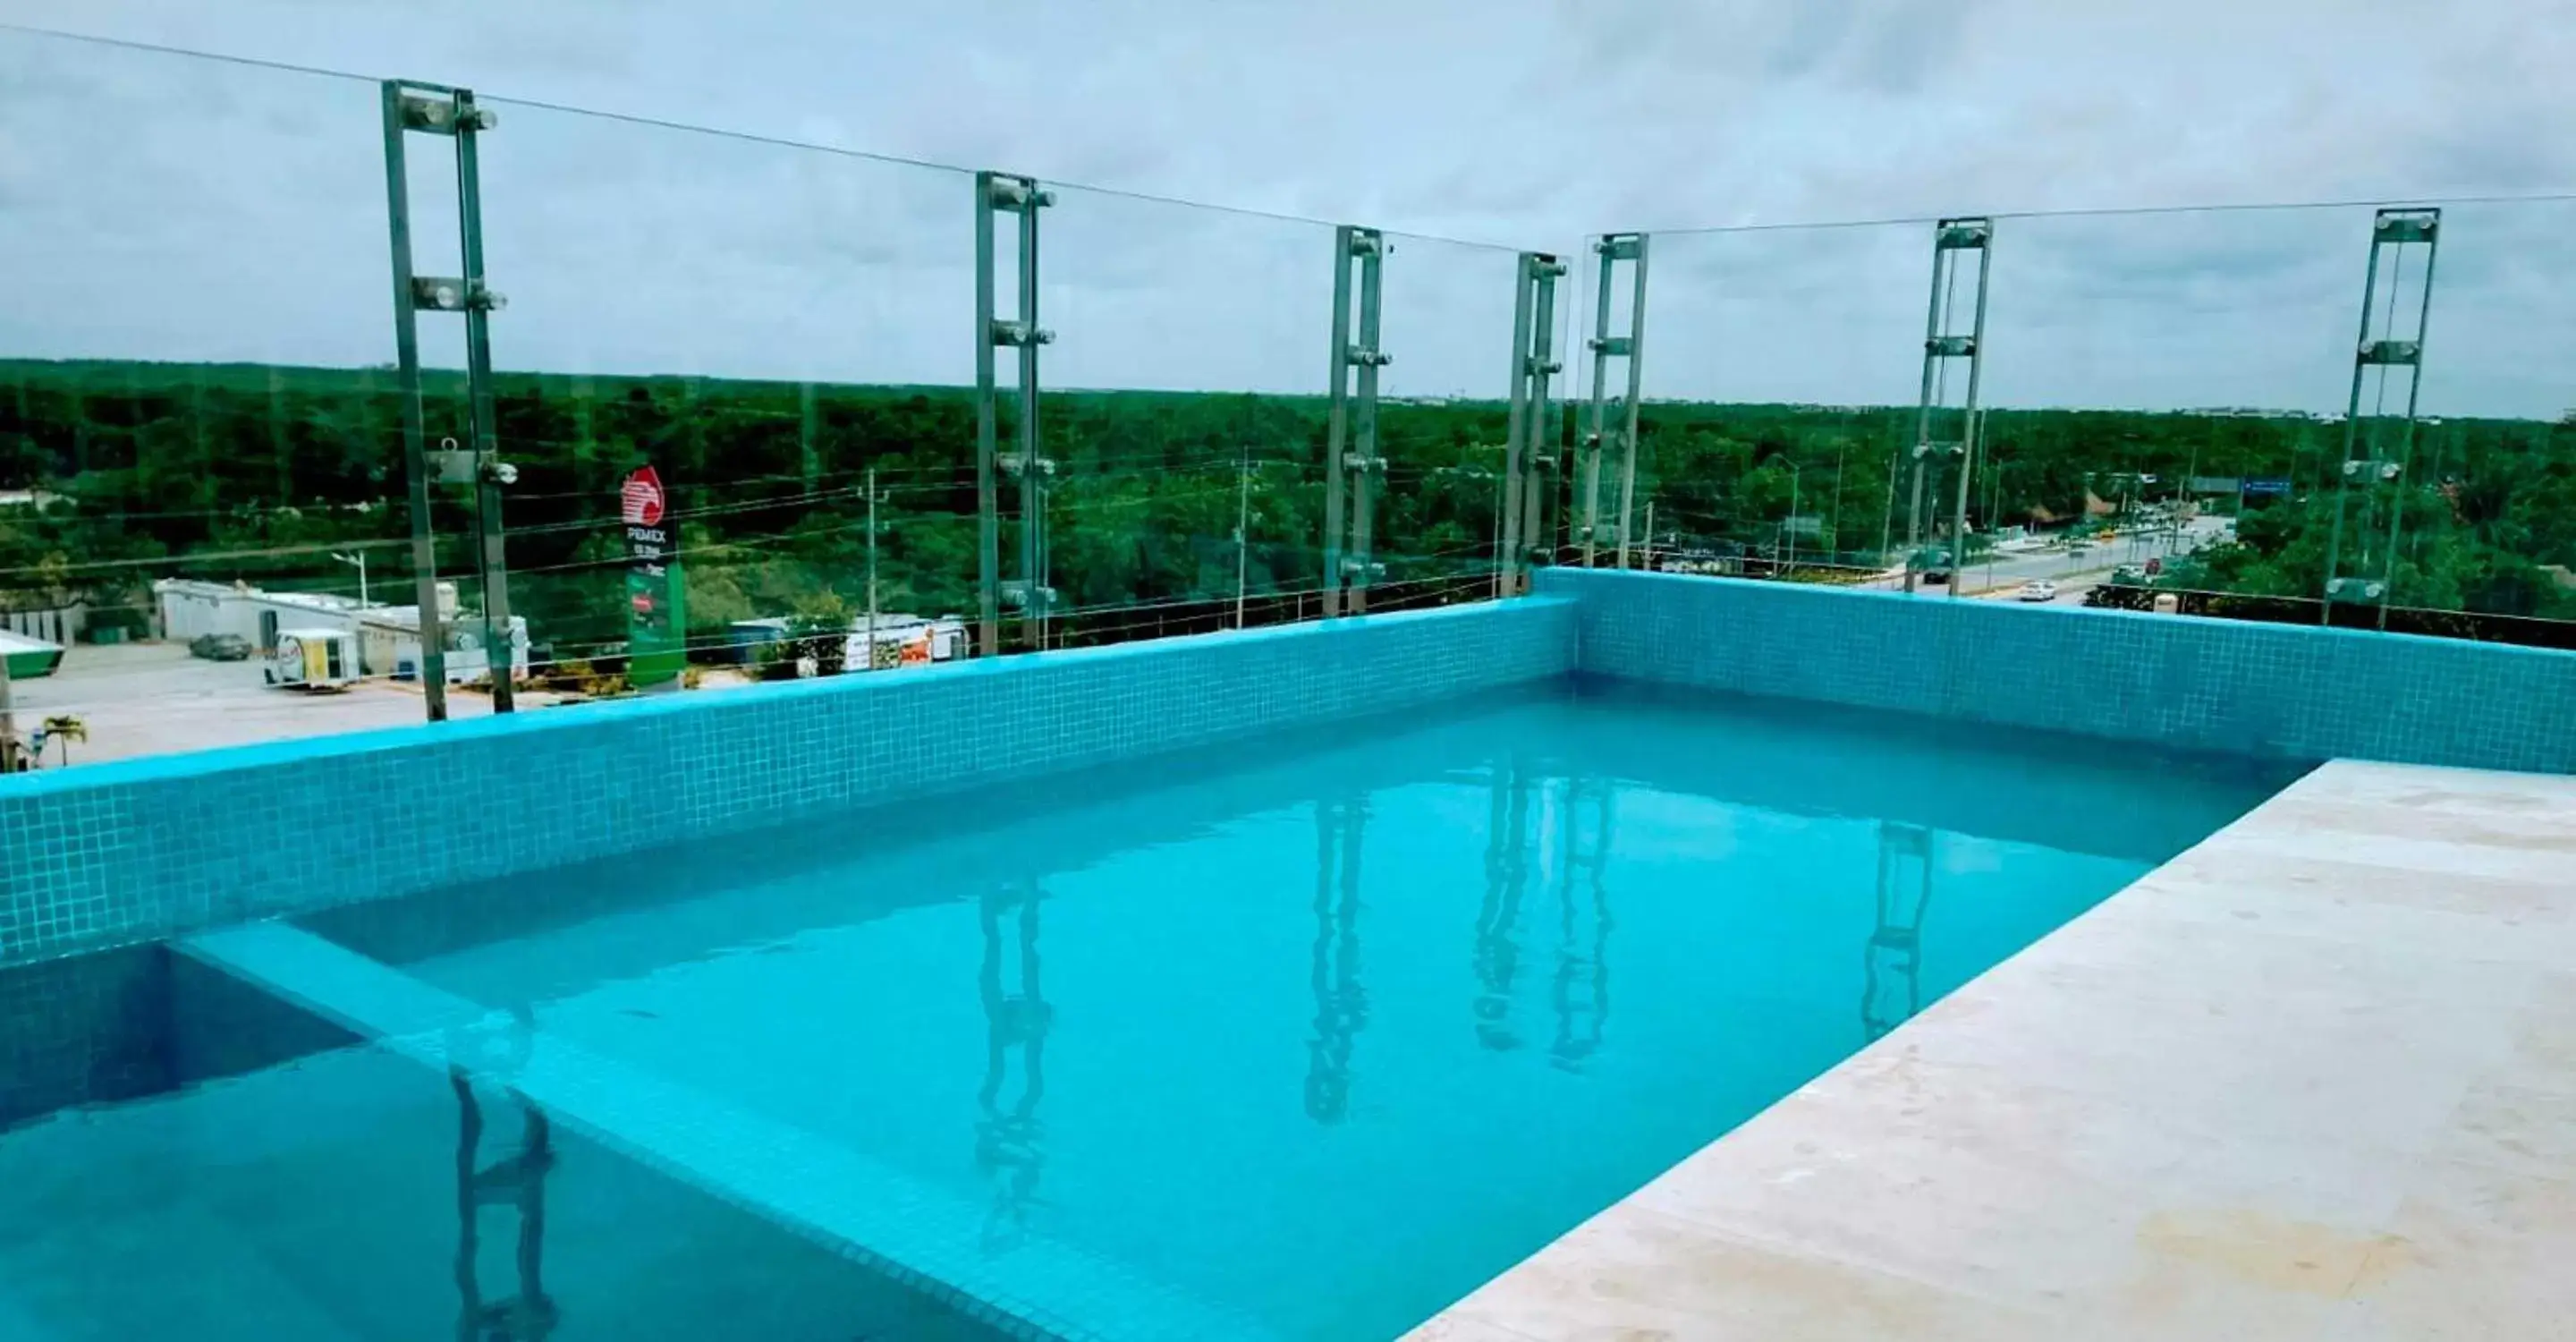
(1893,963)
(1581,992)
(1497,959)
(516,1181)
(1341,1003)
(1007,1137)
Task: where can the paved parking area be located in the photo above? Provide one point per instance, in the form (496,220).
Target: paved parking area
(155,699)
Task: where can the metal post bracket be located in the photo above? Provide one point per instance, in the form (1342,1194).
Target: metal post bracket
(1613,249)
(1621,246)
(408,107)
(438,114)
(432,293)
(1351,461)
(996,194)
(2397,227)
(2377,457)
(1018,193)
(1943,340)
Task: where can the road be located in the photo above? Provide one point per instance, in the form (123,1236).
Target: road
(2003,572)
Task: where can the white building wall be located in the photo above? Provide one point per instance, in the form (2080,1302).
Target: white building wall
(187,614)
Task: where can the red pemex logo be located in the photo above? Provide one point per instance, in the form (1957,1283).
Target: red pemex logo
(641,498)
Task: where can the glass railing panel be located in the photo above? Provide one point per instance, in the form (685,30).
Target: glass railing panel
(1444,418)
(1183,412)
(2491,525)
(769,347)
(198,432)
(2152,379)
(1779,384)
(2171,397)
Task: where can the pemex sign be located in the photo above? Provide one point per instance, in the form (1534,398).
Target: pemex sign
(640,498)
(656,595)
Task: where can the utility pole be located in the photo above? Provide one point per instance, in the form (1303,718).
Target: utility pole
(1887,521)
(807,447)
(1792,527)
(1841,445)
(1647,562)
(8,721)
(1242,530)
(872,569)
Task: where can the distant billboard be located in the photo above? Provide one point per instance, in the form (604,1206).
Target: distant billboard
(2217,484)
(657,618)
(2268,486)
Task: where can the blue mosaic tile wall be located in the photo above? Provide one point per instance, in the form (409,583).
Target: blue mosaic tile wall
(113,854)
(83,1030)
(2279,691)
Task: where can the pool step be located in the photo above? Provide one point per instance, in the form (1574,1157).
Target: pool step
(846,1202)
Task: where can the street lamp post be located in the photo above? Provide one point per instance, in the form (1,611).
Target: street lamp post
(359,559)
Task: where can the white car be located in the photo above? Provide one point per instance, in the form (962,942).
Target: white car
(2038,590)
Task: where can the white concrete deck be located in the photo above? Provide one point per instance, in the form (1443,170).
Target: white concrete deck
(2316,1078)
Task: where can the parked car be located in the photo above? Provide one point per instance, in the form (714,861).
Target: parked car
(2038,589)
(220,647)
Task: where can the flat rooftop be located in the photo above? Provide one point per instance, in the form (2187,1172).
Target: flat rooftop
(2315,1078)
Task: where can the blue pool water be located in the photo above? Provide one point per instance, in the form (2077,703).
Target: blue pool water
(1311,1038)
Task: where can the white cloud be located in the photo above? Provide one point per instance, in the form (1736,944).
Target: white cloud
(168,208)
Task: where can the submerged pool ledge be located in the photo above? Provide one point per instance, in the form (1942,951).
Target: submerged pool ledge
(2314,1078)
(119,853)
(858,1208)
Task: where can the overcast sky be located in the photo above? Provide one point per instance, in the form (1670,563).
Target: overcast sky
(157,207)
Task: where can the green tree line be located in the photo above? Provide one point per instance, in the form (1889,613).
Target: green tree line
(134,471)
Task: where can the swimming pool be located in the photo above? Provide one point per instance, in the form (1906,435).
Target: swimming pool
(1301,1038)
